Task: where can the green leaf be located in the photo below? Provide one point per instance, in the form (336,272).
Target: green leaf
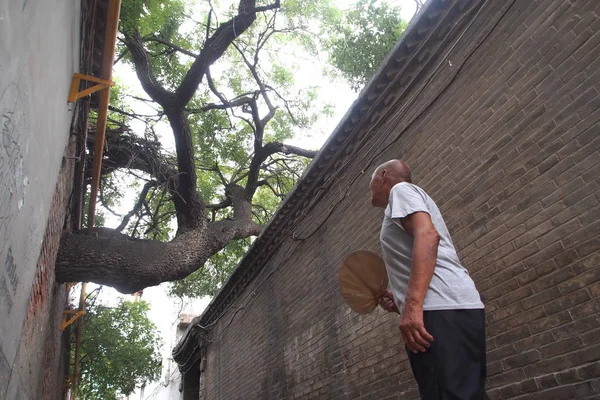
(120,350)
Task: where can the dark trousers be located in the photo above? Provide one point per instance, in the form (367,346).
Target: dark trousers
(454,366)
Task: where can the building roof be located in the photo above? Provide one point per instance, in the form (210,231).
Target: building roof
(423,43)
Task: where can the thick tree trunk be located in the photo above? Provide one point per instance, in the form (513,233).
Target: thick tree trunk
(128,264)
(106,257)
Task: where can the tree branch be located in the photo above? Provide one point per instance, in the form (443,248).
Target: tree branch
(278,147)
(266,151)
(224,106)
(137,206)
(124,150)
(266,183)
(187,200)
(132,115)
(263,90)
(215,46)
(144,71)
(170,45)
(219,206)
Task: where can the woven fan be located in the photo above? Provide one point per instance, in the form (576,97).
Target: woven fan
(363,279)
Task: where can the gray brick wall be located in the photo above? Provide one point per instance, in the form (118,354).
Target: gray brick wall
(503,132)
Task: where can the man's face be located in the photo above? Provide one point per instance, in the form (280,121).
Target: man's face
(379,194)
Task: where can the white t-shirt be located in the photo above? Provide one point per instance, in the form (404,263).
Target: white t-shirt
(451,286)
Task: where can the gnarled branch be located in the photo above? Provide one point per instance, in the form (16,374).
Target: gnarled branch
(144,71)
(137,206)
(215,46)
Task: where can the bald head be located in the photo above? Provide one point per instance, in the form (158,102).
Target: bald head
(397,170)
(385,177)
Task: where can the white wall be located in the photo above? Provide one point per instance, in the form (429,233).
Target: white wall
(39,52)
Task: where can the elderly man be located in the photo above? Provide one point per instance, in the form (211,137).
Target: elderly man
(442,318)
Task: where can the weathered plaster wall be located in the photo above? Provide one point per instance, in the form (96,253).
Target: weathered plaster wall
(39,52)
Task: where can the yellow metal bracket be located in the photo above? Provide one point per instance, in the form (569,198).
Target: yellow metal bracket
(75,94)
(66,322)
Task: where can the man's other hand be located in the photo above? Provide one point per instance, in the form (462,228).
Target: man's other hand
(386,301)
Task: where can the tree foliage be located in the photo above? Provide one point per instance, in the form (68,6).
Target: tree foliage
(359,39)
(120,350)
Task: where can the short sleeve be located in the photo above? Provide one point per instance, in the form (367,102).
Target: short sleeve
(405,199)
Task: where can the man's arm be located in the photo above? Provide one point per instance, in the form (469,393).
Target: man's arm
(424,257)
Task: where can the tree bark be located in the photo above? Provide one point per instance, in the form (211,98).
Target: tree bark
(106,257)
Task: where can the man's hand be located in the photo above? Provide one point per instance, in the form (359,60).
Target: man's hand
(386,301)
(413,330)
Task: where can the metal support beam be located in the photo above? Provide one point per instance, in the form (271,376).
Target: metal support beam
(110,39)
(75,94)
(66,322)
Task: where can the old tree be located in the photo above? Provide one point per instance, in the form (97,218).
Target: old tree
(216,77)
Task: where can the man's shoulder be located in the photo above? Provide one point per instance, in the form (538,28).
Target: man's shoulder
(406,186)
(409,187)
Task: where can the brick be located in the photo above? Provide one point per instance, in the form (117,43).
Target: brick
(540,298)
(526,317)
(527,277)
(515,295)
(526,386)
(494,368)
(573,187)
(551,277)
(568,376)
(546,381)
(566,302)
(584,310)
(583,356)
(510,336)
(520,360)
(591,337)
(500,353)
(533,342)
(551,321)
(594,290)
(558,393)
(588,247)
(521,253)
(503,313)
(579,281)
(551,365)
(513,233)
(589,388)
(589,371)
(491,294)
(559,233)
(586,263)
(509,273)
(560,347)
(505,378)
(577,326)
(545,254)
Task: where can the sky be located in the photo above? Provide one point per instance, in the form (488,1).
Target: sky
(164,310)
